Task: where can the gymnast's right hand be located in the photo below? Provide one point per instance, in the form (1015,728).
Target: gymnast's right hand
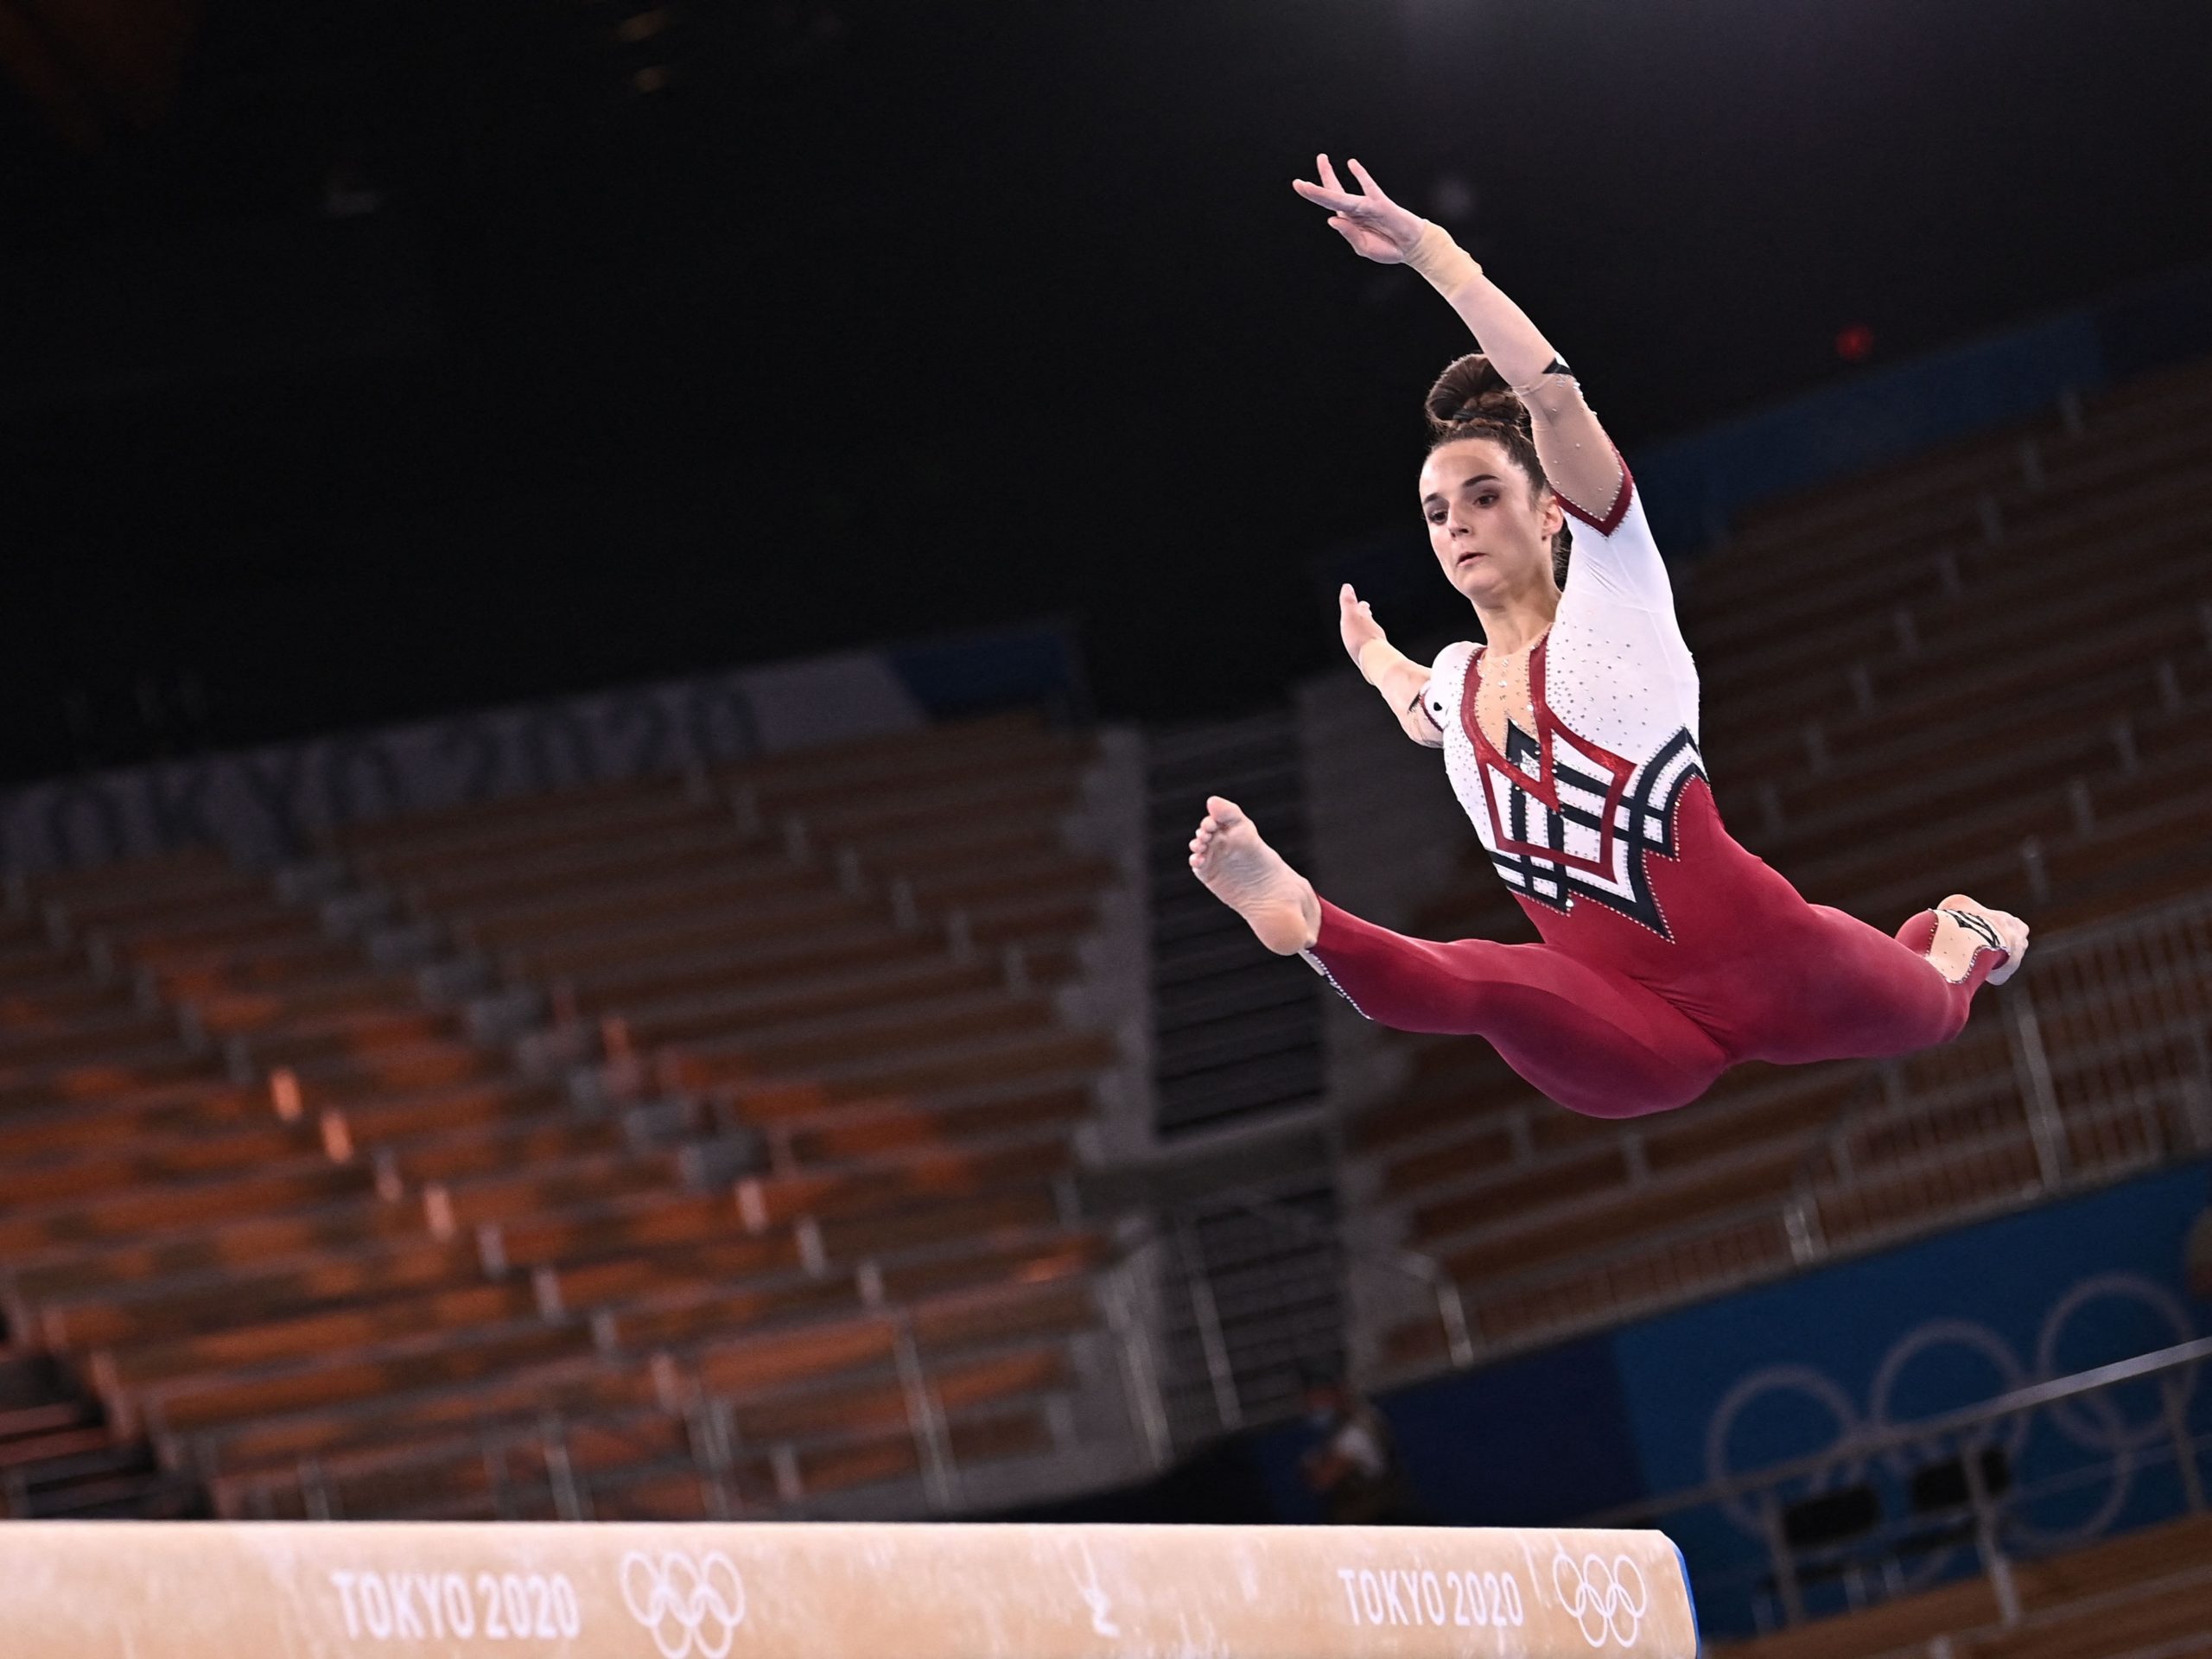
(1356,625)
(1376,227)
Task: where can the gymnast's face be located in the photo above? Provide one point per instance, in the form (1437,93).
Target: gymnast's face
(1489,525)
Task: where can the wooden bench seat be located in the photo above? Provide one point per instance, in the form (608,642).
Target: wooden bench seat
(158,871)
(1048,915)
(80,1167)
(521,826)
(1002,1314)
(828,1130)
(235,1245)
(1558,1233)
(521,1395)
(1519,1191)
(344,1079)
(687,1315)
(857,1409)
(152,1068)
(1972,658)
(507,1353)
(883,1033)
(281,967)
(506,1146)
(711,1009)
(355,1034)
(124,910)
(358,1326)
(1882,1205)
(1702,1257)
(643,1464)
(1484,1144)
(997,1215)
(1045,875)
(1034,796)
(2006,816)
(520,1194)
(647,1223)
(710,838)
(58,990)
(381,1116)
(1904,501)
(305,999)
(963,1063)
(651,966)
(1847,615)
(141,1212)
(774,889)
(1046,1255)
(1958,691)
(791,928)
(417,1478)
(2110,676)
(172,945)
(60,1126)
(892,1181)
(989,748)
(177,1306)
(994,1297)
(920,850)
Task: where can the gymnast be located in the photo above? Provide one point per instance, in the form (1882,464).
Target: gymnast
(1668,952)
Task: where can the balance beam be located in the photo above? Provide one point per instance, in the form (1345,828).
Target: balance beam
(825,1590)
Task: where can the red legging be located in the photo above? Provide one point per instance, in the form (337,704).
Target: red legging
(1613,1020)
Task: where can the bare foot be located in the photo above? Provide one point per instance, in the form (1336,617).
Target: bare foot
(1963,926)
(1249,876)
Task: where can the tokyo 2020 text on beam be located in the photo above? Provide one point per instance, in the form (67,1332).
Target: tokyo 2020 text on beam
(834,1591)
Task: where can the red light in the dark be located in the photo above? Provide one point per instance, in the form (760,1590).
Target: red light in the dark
(1855,344)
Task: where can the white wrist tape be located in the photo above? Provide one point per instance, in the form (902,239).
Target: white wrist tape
(1447,266)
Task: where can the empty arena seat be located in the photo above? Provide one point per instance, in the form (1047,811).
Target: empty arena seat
(515,1146)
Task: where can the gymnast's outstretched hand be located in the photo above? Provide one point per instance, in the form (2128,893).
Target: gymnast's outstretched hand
(1397,677)
(1376,227)
(1355,624)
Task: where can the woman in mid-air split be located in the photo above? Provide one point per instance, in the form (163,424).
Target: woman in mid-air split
(1669,953)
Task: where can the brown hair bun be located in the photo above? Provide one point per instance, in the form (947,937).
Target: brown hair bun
(1471,391)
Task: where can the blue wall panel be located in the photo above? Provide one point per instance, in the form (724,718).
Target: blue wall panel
(1534,1443)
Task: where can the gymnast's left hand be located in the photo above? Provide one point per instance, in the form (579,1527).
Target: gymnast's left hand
(1356,626)
(1376,227)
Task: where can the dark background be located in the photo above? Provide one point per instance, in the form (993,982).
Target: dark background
(778,327)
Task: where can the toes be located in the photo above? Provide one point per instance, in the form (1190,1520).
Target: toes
(1223,812)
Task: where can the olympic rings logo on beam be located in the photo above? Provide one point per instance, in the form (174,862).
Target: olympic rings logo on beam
(692,1607)
(1607,1598)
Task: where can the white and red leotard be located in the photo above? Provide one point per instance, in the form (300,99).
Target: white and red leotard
(1669,953)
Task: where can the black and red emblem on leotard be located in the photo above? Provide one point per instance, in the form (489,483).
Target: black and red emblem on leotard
(1570,819)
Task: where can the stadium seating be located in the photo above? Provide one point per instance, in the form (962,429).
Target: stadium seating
(1987,671)
(702,1144)
(2141,1593)
(675,1147)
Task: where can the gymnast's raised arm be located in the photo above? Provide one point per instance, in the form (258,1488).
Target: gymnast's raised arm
(1579,458)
